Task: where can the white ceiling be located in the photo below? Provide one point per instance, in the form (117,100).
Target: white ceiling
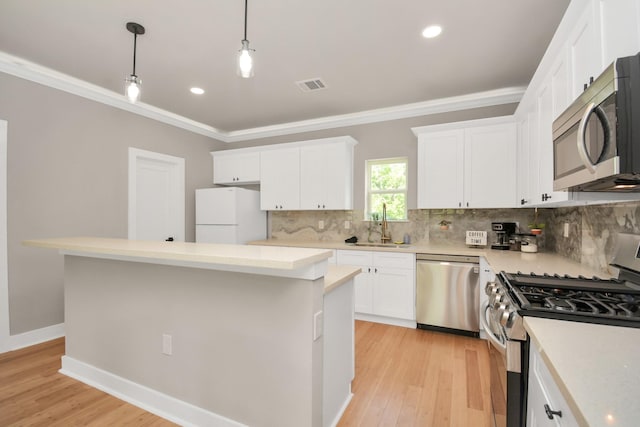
(369,52)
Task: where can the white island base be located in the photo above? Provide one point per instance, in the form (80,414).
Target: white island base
(207,347)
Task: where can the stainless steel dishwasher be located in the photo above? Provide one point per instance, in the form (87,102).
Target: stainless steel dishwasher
(447,293)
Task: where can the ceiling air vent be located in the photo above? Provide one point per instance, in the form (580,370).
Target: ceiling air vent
(311,85)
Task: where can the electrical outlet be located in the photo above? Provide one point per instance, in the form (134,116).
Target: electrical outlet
(321,225)
(566,229)
(167,345)
(347,225)
(318,325)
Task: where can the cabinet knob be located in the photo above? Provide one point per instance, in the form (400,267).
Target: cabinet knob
(459,204)
(375,270)
(467,204)
(369,270)
(585,87)
(322,206)
(318,206)
(545,197)
(551,413)
(523,202)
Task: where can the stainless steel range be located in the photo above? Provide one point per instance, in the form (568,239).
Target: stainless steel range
(515,295)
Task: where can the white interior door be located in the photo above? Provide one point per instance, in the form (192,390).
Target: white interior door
(4,275)
(156,196)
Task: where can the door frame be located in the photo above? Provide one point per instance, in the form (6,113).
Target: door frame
(178,164)
(4,265)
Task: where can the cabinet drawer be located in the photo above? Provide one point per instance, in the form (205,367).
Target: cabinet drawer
(394,260)
(357,258)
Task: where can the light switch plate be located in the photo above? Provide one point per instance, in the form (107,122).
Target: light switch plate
(321,225)
(566,230)
(167,345)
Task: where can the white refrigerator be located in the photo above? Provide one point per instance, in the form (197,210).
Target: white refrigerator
(229,215)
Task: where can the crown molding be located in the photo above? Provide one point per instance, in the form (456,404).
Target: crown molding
(27,70)
(442,105)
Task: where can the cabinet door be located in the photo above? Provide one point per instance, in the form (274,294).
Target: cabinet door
(313,170)
(363,282)
(280,179)
(584,48)
(441,170)
(490,166)
(524,171)
(620,29)
(560,88)
(543,390)
(240,168)
(544,105)
(326,177)
(394,293)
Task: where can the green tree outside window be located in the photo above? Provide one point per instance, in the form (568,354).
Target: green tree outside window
(387,183)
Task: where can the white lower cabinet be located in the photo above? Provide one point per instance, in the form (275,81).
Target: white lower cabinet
(545,404)
(386,287)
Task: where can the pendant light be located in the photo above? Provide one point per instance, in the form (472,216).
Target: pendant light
(245,61)
(133,83)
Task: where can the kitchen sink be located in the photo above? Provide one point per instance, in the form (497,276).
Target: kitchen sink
(380,245)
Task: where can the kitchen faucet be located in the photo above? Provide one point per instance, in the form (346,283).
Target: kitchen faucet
(385,227)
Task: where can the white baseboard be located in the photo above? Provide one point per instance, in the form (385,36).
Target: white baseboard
(150,400)
(336,420)
(387,320)
(37,336)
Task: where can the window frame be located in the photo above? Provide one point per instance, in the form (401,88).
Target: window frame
(368,191)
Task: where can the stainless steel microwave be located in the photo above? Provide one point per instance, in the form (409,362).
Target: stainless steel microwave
(596,141)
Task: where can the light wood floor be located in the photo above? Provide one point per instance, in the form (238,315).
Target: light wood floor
(404,377)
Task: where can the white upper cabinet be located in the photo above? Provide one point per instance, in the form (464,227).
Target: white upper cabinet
(441,169)
(584,47)
(280,179)
(467,165)
(236,167)
(490,166)
(591,35)
(620,27)
(326,176)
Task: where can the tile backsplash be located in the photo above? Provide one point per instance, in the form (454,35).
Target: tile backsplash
(422,225)
(592,230)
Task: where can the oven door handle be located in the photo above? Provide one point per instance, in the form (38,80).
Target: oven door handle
(493,339)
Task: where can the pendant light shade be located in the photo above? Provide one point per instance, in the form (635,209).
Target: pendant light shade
(133,83)
(245,61)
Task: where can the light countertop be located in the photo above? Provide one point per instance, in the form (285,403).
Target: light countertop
(595,367)
(263,258)
(510,261)
(338,275)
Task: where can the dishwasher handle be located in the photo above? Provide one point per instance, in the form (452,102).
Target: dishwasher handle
(448,258)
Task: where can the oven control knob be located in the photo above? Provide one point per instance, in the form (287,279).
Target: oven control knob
(506,318)
(490,288)
(498,300)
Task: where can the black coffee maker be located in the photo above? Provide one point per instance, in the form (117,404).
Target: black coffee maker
(504,231)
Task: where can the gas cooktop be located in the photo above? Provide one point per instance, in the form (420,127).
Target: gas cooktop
(594,300)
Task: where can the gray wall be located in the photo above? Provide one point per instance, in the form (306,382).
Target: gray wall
(67,176)
(386,139)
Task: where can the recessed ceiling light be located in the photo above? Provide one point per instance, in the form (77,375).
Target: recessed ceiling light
(432,31)
(197,90)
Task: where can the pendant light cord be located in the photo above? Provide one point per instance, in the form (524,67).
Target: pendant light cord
(135,37)
(245,19)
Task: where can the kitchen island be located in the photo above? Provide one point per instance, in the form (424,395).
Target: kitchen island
(206,334)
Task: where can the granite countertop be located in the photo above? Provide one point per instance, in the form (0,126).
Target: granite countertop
(261,257)
(510,261)
(595,367)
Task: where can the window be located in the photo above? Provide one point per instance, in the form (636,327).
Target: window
(387,183)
